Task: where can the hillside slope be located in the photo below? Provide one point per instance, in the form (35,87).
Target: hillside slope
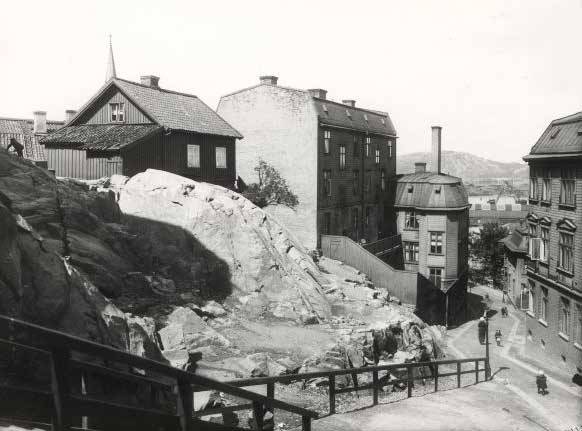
(463,165)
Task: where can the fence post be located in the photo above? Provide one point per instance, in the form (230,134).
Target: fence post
(375,386)
(271,394)
(331,394)
(185,403)
(410,381)
(258,414)
(458,374)
(476,371)
(61,388)
(306,423)
(436,377)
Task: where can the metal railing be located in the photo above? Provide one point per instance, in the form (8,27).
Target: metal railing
(384,245)
(68,404)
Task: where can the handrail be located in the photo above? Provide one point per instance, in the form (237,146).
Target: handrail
(60,344)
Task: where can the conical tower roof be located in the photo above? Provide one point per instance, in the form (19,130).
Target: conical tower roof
(110,64)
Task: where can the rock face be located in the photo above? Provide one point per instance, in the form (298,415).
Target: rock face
(229,246)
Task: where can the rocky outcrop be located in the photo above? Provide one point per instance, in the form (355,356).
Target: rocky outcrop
(229,245)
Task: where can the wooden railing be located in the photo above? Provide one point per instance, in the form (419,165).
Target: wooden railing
(384,245)
(378,381)
(67,403)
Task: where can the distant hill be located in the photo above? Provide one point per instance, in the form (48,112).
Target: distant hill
(464,165)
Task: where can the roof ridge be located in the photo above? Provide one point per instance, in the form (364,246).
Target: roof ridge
(158,88)
(299,90)
(371,111)
(31,120)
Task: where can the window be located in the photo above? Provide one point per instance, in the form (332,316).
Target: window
(436,242)
(436,276)
(377,156)
(368,142)
(383,180)
(326,223)
(342,157)
(117,112)
(565,316)
(410,220)
(389,148)
(356,147)
(411,252)
(356,181)
(326,182)
(532,230)
(543,305)
(546,185)
(578,334)
(533,184)
(530,298)
(368,182)
(221,157)
(567,187)
(566,252)
(545,243)
(326,141)
(368,216)
(193,156)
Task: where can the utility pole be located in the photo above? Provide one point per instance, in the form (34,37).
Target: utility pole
(487,365)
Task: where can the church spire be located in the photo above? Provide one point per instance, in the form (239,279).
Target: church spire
(110,64)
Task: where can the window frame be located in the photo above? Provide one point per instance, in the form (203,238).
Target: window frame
(565,317)
(533,184)
(342,157)
(543,304)
(389,148)
(568,187)
(377,156)
(216,157)
(368,143)
(566,251)
(188,153)
(436,242)
(326,142)
(546,185)
(117,112)
(411,249)
(383,180)
(326,180)
(356,181)
(437,280)
(410,220)
(356,147)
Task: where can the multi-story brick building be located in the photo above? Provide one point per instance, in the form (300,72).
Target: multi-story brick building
(554,267)
(432,211)
(338,158)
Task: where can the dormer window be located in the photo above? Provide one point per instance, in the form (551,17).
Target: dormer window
(348,114)
(383,121)
(410,189)
(555,133)
(365,117)
(437,190)
(324,107)
(117,112)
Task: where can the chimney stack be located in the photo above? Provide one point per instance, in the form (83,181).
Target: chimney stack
(436,149)
(349,102)
(318,93)
(419,167)
(69,114)
(269,79)
(39,122)
(150,81)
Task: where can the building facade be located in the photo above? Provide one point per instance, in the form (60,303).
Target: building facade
(339,159)
(128,127)
(432,213)
(515,256)
(554,264)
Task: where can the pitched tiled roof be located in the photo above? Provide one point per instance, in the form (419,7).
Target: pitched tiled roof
(176,111)
(103,137)
(338,114)
(427,190)
(23,131)
(562,137)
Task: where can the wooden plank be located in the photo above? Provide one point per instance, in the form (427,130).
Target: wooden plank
(185,403)
(218,410)
(305,423)
(458,374)
(436,377)
(61,389)
(99,369)
(375,387)
(258,414)
(476,371)
(409,381)
(271,394)
(331,394)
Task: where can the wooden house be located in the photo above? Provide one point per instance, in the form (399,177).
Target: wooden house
(128,127)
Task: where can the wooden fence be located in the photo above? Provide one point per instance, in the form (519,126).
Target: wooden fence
(68,404)
(400,283)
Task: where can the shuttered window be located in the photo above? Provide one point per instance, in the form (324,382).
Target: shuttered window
(193,156)
(221,157)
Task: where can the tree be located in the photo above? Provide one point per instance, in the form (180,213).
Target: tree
(490,252)
(272,189)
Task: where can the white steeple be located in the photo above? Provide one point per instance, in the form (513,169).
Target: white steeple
(110,64)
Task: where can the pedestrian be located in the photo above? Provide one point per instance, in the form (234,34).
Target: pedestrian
(482,327)
(542,383)
(504,311)
(498,337)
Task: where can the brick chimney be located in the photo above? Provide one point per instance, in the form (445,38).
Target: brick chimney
(318,92)
(349,102)
(69,114)
(419,167)
(39,122)
(436,149)
(150,81)
(268,79)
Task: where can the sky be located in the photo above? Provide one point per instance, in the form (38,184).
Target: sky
(492,73)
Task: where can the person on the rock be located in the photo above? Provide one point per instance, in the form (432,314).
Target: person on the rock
(482,327)
(542,383)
